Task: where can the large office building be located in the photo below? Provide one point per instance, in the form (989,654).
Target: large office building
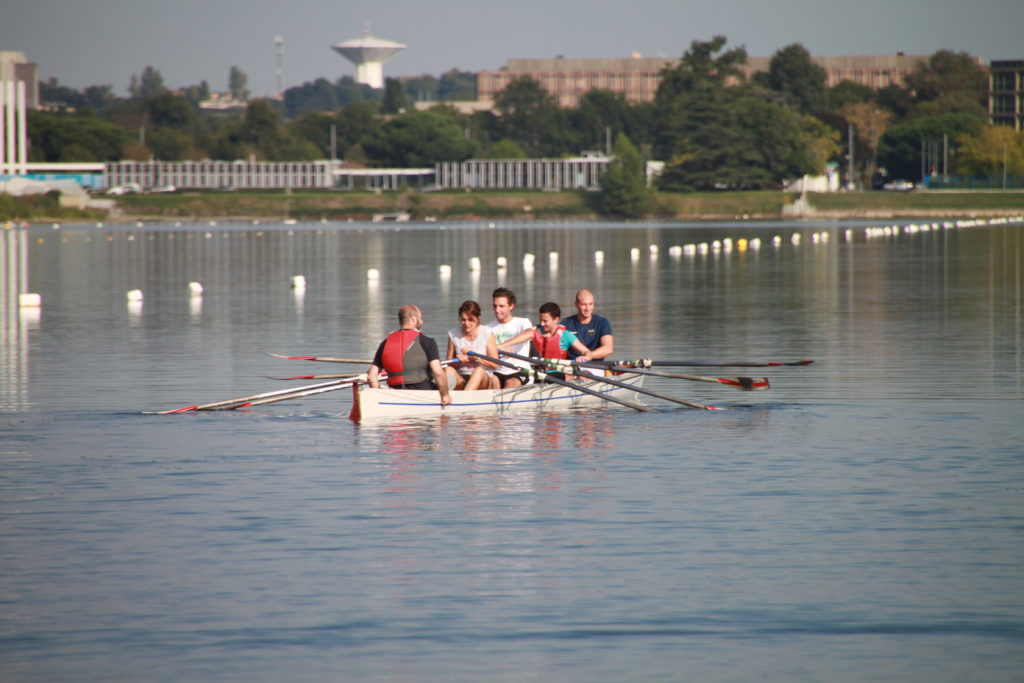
(638,77)
(1006,93)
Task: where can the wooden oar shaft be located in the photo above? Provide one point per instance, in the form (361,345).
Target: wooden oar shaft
(715,364)
(286,397)
(322,359)
(616,383)
(572,385)
(744,383)
(244,399)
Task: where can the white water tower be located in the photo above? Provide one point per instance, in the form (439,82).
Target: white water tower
(369,54)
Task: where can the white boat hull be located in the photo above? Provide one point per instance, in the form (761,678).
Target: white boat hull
(384,403)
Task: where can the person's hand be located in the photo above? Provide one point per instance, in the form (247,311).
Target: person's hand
(446,399)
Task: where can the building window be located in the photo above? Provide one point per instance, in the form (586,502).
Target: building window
(1003,81)
(1002,104)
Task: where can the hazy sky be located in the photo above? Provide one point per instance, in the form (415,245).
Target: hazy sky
(90,42)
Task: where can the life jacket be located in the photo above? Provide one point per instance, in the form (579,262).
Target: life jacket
(550,347)
(404,358)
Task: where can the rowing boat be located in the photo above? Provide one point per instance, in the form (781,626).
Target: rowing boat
(370,403)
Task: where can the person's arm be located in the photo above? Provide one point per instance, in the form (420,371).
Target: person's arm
(373,372)
(452,352)
(584,353)
(441,380)
(371,376)
(606,348)
(524,336)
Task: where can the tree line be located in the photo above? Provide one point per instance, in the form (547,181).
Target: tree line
(713,128)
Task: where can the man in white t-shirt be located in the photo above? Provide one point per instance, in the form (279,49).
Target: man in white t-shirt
(506,326)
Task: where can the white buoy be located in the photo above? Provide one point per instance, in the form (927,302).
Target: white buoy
(634,254)
(598,256)
(689,249)
(703,247)
(815,238)
(776,241)
(726,244)
(373,275)
(653,249)
(824,237)
(195,289)
(755,243)
(502,262)
(553,259)
(298,281)
(474,264)
(528,260)
(134,295)
(795,239)
(445,270)
(675,251)
(716,245)
(29,300)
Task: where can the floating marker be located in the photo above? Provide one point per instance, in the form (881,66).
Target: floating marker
(716,245)
(134,295)
(29,300)
(528,260)
(689,249)
(727,244)
(195,289)
(373,274)
(741,244)
(502,262)
(634,254)
(474,264)
(653,249)
(755,243)
(795,239)
(776,241)
(598,256)
(445,270)
(703,247)
(675,251)
(298,281)
(553,259)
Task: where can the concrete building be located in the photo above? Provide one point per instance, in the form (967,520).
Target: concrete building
(14,66)
(1006,93)
(638,77)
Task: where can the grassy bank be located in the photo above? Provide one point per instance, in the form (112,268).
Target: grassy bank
(457,205)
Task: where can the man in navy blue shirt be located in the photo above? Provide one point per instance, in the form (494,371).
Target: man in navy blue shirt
(594,331)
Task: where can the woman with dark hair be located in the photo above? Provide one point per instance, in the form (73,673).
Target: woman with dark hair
(469,373)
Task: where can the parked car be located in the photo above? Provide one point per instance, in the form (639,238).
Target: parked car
(899,186)
(127,188)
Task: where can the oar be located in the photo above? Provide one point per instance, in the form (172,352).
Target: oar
(322,359)
(615,383)
(245,399)
(286,397)
(572,385)
(744,383)
(334,376)
(646,363)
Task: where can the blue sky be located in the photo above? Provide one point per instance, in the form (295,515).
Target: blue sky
(89,42)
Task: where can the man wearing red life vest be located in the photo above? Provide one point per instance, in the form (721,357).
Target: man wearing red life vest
(409,358)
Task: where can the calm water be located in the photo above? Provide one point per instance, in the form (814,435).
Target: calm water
(863,520)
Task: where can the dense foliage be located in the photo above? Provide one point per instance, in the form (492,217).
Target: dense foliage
(711,127)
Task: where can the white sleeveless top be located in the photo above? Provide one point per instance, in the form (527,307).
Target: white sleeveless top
(479,345)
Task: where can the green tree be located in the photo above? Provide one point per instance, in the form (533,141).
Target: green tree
(949,83)
(51,137)
(899,150)
(417,139)
(456,85)
(504,149)
(169,145)
(528,114)
(992,151)
(238,84)
(801,82)
(170,111)
(624,192)
(394,97)
(150,84)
